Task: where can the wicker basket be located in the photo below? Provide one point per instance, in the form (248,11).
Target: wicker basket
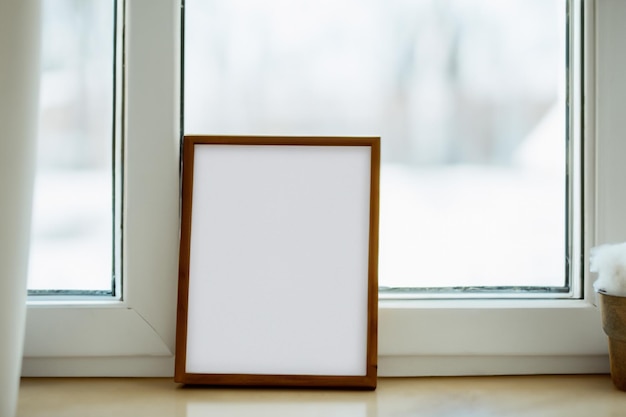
(614,324)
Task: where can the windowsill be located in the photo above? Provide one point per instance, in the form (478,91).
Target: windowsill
(498,396)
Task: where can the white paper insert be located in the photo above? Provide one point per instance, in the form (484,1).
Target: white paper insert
(278,272)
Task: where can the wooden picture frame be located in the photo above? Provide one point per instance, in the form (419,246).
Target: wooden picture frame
(278,264)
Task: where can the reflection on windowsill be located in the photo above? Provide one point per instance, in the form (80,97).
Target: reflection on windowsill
(278,409)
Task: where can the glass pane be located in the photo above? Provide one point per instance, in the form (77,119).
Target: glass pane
(467,95)
(72,242)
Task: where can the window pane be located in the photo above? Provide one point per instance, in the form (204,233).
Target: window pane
(467,95)
(72,242)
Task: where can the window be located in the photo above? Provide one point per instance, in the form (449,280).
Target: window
(135,336)
(72,250)
(470,105)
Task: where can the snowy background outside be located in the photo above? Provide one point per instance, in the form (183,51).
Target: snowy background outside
(467,96)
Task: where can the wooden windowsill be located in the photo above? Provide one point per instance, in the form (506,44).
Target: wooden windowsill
(578,395)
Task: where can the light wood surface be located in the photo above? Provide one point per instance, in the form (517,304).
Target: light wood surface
(584,395)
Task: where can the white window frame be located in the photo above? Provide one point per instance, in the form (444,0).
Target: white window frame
(136,336)
(133,336)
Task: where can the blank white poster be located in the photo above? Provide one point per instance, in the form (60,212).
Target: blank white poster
(278,267)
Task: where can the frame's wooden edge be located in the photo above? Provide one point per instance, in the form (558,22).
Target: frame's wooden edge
(366,382)
(183,264)
(276,381)
(283,140)
(372,332)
